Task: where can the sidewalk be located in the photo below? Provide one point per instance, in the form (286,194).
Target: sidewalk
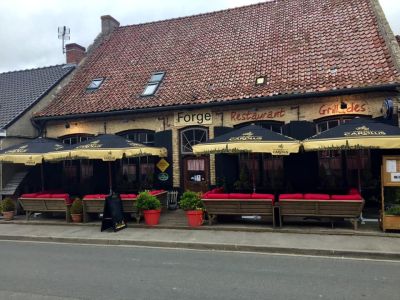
(377,247)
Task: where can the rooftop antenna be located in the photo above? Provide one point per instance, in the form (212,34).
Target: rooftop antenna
(64,35)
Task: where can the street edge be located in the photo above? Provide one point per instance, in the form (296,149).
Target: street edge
(211,247)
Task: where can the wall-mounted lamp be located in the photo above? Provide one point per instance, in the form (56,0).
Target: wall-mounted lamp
(343,105)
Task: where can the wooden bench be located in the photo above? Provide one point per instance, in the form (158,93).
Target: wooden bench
(239,207)
(45,204)
(93,205)
(333,209)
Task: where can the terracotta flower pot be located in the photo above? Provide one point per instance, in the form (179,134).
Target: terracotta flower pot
(76,218)
(151,217)
(8,215)
(195,218)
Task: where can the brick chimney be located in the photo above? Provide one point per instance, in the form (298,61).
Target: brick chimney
(75,53)
(108,24)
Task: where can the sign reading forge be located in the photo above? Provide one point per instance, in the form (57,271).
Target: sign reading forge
(193,118)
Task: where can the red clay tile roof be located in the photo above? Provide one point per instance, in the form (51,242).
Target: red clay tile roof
(302,46)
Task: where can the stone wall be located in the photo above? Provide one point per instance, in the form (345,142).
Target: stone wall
(311,109)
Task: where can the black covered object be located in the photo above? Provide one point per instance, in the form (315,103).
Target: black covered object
(113,214)
(107,141)
(263,135)
(36,146)
(358,127)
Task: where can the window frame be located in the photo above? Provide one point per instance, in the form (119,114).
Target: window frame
(153,82)
(182,133)
(91,89)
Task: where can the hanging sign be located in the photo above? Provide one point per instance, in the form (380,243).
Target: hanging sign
(163,176)
(162,165)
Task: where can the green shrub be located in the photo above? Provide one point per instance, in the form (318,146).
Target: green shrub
(76,207)
(7,204)
(145,201)
(394,211)
(191,201)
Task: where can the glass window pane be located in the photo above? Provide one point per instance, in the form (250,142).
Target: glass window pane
(150,89)
(321,127)
(156,77)
(276,128)
(95,84)
(332,124)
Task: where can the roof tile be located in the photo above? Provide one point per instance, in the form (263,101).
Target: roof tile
(216,57)
(21,89)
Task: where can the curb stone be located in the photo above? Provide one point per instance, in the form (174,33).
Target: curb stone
(210,246)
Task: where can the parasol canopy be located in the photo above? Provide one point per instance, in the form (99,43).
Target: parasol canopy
(252,139)
(31,152)
(107,147)
(358,133)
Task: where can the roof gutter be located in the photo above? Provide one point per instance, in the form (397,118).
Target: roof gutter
(386,87)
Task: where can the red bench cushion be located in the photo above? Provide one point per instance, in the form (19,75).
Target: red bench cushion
(60,196)
(239,196)
(43,196)
(218,190)
(346,197)
(263,196)
(128,196)
(290,196)
(316,197)
(95,197)
(32,195)
(217,196)
(354,191)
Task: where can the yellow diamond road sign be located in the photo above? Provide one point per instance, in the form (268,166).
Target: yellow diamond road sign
(162,165)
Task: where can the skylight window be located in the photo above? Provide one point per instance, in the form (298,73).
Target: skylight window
(95,84)
(153,84)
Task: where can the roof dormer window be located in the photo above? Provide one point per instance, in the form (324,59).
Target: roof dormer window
(95,84)
(153,84)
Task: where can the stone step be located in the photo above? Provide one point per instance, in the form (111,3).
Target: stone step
(13,184)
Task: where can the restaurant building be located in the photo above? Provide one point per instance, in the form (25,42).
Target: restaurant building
(297,67)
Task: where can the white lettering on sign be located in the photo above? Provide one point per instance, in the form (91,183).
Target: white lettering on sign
(193,118)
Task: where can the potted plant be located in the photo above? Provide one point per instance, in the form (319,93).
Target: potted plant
(77,211)
(192,204)
(8,208)
(151,207)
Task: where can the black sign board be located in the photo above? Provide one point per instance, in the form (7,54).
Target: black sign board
(113,214)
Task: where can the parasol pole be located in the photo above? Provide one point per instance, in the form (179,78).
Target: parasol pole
(254,173)
(110,177)
(42,175)
(359,171)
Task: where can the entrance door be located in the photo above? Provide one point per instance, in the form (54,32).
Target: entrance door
(196,173)
(195,169)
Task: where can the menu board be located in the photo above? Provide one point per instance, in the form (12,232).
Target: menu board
(391,171)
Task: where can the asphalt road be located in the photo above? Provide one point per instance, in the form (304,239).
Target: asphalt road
(63,271)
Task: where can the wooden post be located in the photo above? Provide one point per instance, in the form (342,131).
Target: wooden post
(110,176)
(42,175)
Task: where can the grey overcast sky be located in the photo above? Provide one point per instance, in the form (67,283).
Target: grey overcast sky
(28,29)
